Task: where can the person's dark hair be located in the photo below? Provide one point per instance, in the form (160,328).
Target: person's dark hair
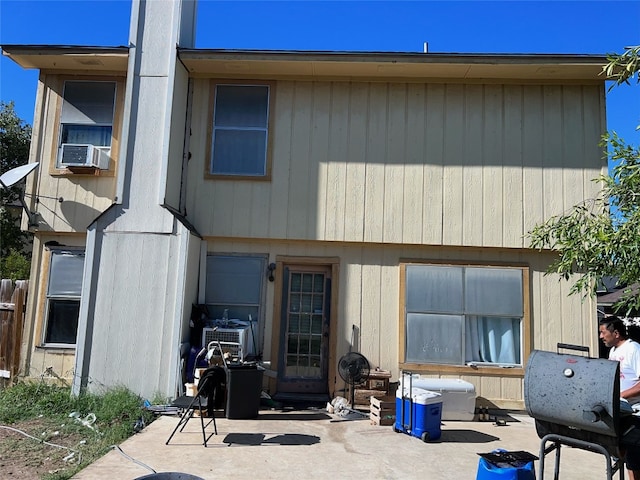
(613,323)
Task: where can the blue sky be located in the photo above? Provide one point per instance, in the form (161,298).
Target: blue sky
(478,26)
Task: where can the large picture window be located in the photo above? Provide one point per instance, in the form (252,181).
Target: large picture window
(458,315)
(63,297)
(239,140)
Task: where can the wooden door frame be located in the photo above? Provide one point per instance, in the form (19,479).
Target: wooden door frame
(334,264)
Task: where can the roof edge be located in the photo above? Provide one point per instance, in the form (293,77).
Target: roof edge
(65,49)
(441,57)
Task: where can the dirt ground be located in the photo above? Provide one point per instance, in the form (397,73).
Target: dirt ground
(25,458)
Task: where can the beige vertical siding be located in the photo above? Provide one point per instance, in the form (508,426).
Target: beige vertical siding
(34,359)
(369,288)
(433,146)
(370,173)
(55,366)
(442,164)
(369,300)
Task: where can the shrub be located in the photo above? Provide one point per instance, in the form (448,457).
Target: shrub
(15,266)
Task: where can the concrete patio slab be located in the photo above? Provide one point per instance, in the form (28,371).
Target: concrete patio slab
(311,444)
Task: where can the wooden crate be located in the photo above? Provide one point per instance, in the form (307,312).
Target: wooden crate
(382,410)
(378,380)
(363,397)
(383,403)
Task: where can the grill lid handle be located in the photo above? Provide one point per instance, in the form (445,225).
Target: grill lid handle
(569,346)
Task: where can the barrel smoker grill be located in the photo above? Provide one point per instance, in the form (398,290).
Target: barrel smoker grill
(575,401)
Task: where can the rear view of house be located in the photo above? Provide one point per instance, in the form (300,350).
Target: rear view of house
(326,202)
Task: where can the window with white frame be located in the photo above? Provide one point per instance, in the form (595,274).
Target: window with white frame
(458,315)
(239,143)
(64,289)
(86,123)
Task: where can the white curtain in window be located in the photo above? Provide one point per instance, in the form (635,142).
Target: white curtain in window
(492,339)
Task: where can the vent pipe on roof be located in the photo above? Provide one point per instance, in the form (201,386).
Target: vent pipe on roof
(425,47)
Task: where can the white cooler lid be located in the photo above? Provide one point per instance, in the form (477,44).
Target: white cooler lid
(420,395)
(443,384)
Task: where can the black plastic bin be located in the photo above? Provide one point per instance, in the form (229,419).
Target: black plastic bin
(244,388)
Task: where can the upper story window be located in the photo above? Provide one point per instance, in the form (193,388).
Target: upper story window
(86,124)
(240,130)
(464,314)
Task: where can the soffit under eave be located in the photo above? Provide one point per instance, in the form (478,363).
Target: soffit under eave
(228,65)
(243,68)
(99,62)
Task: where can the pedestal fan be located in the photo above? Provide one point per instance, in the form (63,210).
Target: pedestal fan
(354,369)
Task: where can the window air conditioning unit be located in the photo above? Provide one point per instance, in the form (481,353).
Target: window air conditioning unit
(242,336)
(81,155)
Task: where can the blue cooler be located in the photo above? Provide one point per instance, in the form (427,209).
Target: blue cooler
(419,413)
(521,470)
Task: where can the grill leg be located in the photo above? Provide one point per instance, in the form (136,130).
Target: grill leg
(544,450)
(559,440)
(619,465)
(556,469)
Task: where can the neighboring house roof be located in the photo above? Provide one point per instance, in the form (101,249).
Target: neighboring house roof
(612,297)
(609,299)
(238,63)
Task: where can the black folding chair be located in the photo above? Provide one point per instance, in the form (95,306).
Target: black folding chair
(210,391)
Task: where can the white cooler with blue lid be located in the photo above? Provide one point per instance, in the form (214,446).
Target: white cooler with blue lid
(419,413)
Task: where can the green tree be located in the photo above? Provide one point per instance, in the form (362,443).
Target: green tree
(601,237)
(15,266)
(15,138)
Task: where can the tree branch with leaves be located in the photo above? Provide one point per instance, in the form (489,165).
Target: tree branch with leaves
(624,67)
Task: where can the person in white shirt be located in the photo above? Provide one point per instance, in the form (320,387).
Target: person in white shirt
(626,351)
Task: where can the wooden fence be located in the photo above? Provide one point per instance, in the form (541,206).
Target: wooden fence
(12,307)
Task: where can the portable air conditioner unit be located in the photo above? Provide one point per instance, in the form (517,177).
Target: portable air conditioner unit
(241,335)
(81,155)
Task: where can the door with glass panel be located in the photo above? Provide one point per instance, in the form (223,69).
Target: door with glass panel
(304,329)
